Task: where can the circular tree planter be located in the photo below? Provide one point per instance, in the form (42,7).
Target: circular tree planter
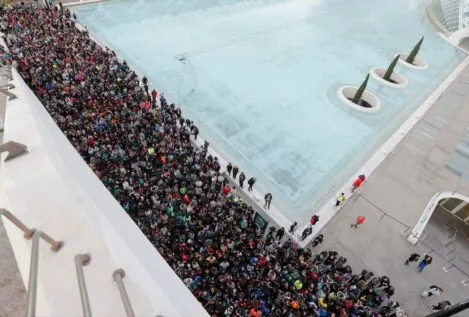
(419,64)
(397,80)
(369,103)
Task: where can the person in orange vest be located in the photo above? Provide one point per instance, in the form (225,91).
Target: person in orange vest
(360,220)
(255,312)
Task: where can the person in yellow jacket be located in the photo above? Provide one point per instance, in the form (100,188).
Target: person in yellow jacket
(322,303)
(298,284)
(340,200)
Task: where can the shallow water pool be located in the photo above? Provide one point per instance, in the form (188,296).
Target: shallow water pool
(259,77)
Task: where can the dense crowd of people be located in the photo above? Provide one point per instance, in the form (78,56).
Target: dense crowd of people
(140,147)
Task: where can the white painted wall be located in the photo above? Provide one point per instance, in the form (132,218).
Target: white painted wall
(51,188)
(428,212)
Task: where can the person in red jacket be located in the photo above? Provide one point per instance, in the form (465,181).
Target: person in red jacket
(226,190)
(314,219)
(360,220)
(154,94)
(358,182)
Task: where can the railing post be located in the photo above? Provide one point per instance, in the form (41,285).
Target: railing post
(118,275)
(33,269)
(28,233)
(83,259)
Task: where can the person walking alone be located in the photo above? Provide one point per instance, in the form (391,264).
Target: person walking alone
(242,177)
(235,171)
(268,200)
(293,227)
(414,257)
(427,260)
(251,183)
(360,220)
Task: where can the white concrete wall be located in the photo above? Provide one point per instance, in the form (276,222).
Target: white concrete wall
(428,212)
(51,188)
(458,36)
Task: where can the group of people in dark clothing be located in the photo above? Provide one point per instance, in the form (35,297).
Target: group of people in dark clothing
(140,147)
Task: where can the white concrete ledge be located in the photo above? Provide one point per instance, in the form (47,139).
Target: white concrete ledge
(400,81)
(51,188)
(419,63)
(346,93)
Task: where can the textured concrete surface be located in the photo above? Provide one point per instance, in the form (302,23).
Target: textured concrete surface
(394,197)
(12,290)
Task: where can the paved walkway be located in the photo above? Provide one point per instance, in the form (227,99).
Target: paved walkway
(394,197)
(12,290)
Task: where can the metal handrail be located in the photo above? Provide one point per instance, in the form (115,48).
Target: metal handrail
(28,233)
(34,266)
(118,275)
(81,260)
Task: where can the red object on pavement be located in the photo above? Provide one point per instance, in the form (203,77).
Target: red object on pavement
(360,220)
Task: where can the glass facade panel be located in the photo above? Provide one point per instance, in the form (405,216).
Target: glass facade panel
(463,213)
(451,203)
(449,15)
